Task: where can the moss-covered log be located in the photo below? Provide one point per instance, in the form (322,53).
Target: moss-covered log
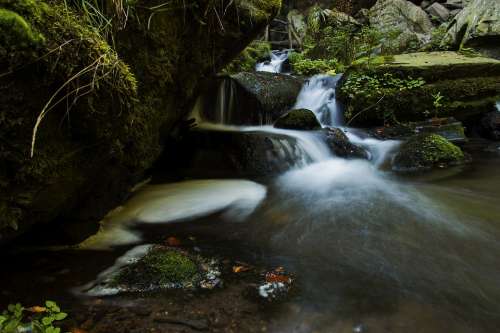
(89,104)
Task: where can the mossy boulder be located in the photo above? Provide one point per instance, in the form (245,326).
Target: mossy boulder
(159,267)
(426,151)
(402,88)
(81,119)
(300,119)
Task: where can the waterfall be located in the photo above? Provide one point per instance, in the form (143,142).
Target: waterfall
(225,103)
(275,65)
(318,95)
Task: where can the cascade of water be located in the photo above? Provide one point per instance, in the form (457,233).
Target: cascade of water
(275,65)
(318,95)
(225,102)
(498,106)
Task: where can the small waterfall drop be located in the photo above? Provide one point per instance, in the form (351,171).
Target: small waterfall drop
(498,106)
(318,95)
(275,65)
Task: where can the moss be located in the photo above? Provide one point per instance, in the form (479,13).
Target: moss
(248,59)
(300,119)
(15,29)
(425,151)
(160,266)
(468,86)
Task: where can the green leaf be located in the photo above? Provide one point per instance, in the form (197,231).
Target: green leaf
(52,306)
(60,316)
(47,320)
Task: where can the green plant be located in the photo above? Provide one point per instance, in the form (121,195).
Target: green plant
(247,59)
(438,103)
(304,66)
(39,320)
(371,88)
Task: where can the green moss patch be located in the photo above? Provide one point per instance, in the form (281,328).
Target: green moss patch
(15,29)
(426,151)
(161,266)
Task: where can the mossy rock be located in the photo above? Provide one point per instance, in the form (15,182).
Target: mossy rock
(426,151)
(118,103)
(469,86)
(159,267)
(300,119)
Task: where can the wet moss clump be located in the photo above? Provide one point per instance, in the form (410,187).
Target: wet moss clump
(425,151)
(300,119)
(15,29)
(161,266)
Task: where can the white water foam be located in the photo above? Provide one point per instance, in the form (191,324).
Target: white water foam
(275,65)
(318,95)
(176,202)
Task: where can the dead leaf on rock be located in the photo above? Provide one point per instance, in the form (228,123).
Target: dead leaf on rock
(240,269)
(173,241)
(37,309)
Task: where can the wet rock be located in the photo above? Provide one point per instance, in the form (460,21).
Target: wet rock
(477,26)
(489,125)
(250,98)
(160,267)
(411,20)
(449,128)
(219,152)
(276,286)
(426,151)
(300,119)
(338,141)
(82,168)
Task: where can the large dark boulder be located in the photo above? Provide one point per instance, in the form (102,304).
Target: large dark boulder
(300,119)
(80,119)
(215,152)
(489,125)
(426,151)
(249,98)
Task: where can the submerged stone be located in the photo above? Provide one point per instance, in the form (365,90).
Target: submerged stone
(425,151)
(300,119)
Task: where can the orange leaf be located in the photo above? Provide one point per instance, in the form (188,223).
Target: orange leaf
(240,269)
(37,309)
(276,278)
(172,241)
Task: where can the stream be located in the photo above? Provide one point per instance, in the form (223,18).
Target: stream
(372,251)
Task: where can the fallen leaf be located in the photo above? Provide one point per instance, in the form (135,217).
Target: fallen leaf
(172,241)
(272,277)
(37,309)
(240,269)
